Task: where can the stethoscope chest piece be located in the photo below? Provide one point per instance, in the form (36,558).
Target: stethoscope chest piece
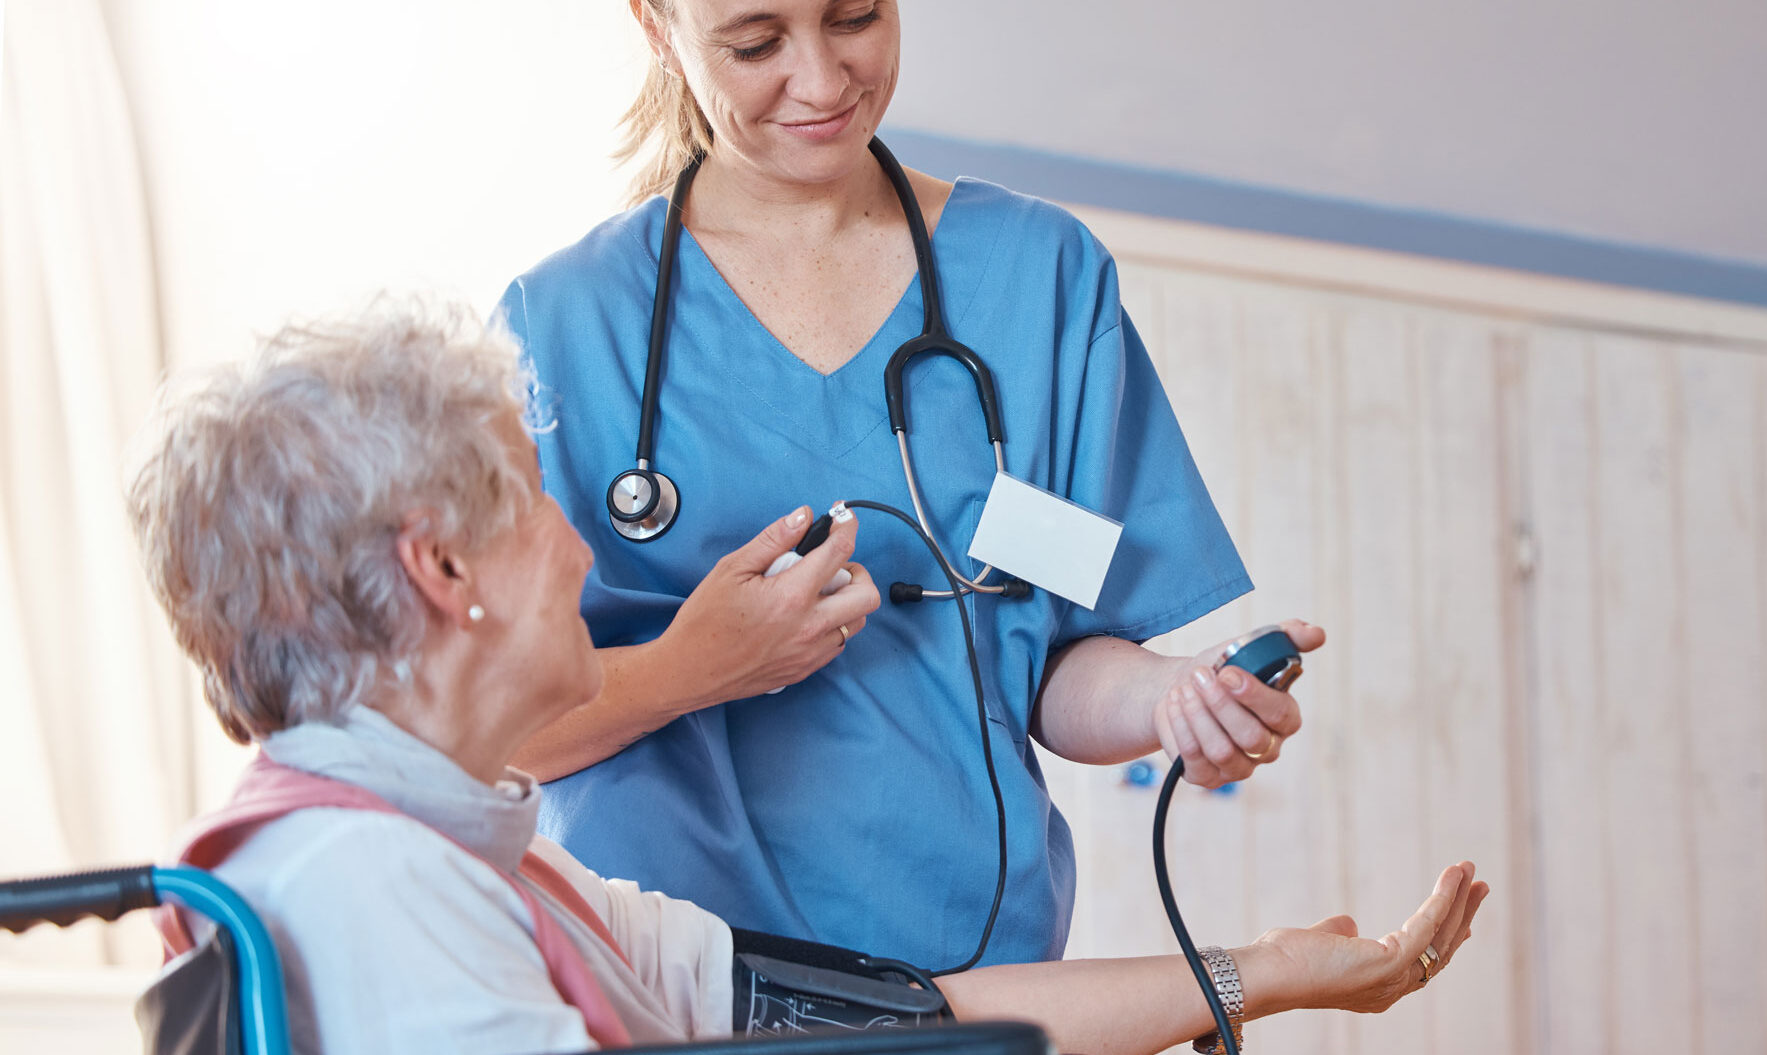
(642,504)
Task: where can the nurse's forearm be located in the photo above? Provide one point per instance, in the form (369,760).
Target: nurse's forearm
(642,691)
(1114,1007)
(1098,698)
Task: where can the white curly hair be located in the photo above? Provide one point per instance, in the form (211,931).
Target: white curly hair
(270,495)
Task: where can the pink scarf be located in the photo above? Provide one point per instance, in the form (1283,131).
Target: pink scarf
(268,791)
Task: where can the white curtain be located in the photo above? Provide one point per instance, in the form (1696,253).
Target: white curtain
(95,719)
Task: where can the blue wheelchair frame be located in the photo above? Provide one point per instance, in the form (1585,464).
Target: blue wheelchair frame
(109,894)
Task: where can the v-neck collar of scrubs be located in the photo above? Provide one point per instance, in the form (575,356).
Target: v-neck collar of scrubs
(786,391)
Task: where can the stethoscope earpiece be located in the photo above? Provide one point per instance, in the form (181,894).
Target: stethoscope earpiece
(905,592)
(642,504)
(911,593)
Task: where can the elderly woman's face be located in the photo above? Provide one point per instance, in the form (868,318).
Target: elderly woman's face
(793,88)
(530,581)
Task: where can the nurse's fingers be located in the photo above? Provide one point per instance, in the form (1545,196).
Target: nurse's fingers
(1256,740)
(850,604)
(1218,746)
(852,628)
(758,554)
(820,564)
(1181,744)
(1278,711)
(1305,635)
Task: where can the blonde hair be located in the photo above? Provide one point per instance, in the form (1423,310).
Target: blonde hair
(666,112)
(270,496)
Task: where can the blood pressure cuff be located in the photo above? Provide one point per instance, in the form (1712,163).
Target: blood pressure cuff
(784,987)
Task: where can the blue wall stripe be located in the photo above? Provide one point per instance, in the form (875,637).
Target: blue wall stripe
(1202,199)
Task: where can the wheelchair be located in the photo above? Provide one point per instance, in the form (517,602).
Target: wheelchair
(226,997)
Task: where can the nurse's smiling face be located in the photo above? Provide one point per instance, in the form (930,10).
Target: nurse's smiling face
(793,89)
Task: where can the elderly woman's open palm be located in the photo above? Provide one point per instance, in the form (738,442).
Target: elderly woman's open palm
(1367,974)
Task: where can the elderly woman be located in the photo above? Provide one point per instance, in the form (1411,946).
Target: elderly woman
(350,538)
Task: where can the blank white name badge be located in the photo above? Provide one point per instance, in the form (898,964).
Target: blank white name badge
(1046,540)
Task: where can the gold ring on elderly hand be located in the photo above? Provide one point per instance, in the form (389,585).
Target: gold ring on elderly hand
(845,634)
(1431,961)
(1269,746)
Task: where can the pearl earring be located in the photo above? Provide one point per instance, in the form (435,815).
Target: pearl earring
(475,613)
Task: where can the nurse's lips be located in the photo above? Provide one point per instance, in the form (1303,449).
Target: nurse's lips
(827,128)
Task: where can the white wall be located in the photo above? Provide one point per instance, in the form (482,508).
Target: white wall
(300,157)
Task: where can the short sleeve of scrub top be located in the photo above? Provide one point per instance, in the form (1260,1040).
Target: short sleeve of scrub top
(853,808)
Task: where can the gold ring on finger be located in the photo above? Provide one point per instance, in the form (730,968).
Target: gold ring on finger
(1269,746)
(845,634)
(1431,961)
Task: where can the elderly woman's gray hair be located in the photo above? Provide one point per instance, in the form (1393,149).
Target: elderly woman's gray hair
(271,495)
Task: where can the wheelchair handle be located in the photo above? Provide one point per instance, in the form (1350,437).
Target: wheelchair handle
(65,899)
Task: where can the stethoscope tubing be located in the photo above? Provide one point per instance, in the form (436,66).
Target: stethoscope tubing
(659,314)
(643,503)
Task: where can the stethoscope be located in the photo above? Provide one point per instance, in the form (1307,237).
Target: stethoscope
(643,503)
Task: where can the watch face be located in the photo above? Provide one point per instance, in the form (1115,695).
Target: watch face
(1243,640)
(1266,653)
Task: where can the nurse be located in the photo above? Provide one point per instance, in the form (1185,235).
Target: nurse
(853,807)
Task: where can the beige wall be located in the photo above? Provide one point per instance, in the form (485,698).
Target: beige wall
(1532,516)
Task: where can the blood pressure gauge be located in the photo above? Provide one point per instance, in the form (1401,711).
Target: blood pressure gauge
(1266,653)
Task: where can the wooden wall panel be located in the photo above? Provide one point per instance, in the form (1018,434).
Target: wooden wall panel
(1540,552)
(1279,525)
(1466,564)
(1571,689)
(1641,631)
(1379,549)
(1721,662)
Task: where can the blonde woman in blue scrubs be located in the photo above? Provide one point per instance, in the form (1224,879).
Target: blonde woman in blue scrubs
(853,807)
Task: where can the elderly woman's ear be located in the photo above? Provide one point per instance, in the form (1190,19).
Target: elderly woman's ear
(438,571)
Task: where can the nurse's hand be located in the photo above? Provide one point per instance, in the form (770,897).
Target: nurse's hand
(1225,725)
(744,633)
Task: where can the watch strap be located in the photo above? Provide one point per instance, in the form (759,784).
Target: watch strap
(1225,975)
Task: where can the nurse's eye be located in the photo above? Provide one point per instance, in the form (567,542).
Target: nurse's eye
(756,52)
(860,22)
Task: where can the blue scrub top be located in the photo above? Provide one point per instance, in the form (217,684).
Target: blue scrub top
(853,808)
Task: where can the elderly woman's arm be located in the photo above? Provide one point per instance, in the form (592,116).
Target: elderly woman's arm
(1140,1006)
(739,634)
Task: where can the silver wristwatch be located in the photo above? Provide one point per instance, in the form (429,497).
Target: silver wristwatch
(1225,974)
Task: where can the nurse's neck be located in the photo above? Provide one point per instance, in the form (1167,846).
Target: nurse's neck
(731,197)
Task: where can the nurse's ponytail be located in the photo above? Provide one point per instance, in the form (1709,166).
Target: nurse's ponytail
(665,111)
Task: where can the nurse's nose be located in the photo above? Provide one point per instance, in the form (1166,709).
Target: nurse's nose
(820,79)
